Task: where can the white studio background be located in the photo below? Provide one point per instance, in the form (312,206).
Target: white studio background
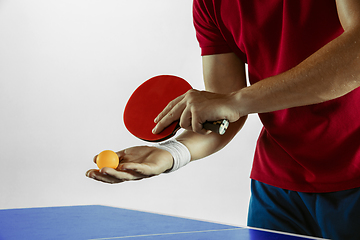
(67,69)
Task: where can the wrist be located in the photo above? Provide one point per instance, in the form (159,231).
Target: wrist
(168,158)
(180,153)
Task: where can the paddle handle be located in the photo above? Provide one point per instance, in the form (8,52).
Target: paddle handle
(218,127)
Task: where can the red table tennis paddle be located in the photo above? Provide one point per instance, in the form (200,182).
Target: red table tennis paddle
(149,99)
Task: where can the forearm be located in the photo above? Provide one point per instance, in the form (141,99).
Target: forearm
(201,146)
(329,73)
(223,73)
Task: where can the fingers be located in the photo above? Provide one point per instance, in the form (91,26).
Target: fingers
(191,109)
(135,163)
(109,175)
(185,119)
(197,125)
(172,112)
(168,108)
(139,169)
(96,175)
(123,175)
(191,121)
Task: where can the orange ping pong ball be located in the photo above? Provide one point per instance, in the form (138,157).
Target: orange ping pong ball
(107,158)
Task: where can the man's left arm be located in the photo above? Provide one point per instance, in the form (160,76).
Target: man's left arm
(329,73)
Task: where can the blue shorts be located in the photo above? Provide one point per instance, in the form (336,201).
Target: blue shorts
(334,215)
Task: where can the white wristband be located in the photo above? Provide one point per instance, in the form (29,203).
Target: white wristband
(179,151)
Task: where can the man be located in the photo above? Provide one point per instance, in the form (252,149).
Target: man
(304,68)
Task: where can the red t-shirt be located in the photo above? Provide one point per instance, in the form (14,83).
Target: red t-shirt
(313,148)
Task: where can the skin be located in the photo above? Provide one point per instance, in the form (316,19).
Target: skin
(315,80)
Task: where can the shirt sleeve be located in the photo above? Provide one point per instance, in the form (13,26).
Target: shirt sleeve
(210,38)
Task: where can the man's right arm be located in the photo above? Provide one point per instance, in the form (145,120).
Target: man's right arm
(223,73)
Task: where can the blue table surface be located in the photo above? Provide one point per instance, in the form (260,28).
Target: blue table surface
(102,222)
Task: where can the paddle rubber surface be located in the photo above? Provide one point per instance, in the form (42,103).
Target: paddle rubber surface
(147,101)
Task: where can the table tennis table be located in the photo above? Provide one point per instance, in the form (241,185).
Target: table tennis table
(97,222)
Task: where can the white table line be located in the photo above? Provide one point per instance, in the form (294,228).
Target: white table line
(164,234)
